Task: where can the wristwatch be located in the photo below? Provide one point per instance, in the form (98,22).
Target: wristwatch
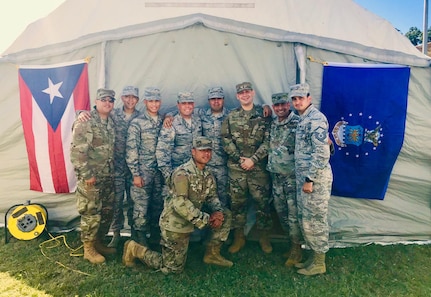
(308,180)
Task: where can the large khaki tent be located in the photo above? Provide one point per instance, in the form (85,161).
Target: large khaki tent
(193,45)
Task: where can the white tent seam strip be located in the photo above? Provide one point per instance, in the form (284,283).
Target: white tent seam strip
(224,25)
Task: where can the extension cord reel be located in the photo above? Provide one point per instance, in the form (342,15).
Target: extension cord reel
(26,221)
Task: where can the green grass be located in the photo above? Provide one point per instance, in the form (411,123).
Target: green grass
(396,270)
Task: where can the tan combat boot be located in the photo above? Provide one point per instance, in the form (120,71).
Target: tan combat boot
(212,256)
(307,262)
(115,240)
(318,266)
(101,248)
(238,241)
(264,242)
(295,255)
(132,251)
(91,254)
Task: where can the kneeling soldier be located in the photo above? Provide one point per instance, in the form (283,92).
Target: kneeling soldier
(191,187)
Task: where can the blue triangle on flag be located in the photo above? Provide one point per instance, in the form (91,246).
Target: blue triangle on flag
(37,80)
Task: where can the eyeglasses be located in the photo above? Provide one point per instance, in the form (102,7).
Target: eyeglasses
(107,99)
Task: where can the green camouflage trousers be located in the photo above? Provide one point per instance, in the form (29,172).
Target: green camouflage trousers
(95,205)
(284,195)
(175,245)
(256,184)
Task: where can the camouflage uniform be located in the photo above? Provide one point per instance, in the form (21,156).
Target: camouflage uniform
(312,161)
(281,165)
(190,189)
(175,144)
(92,155)
(246,134)
(122,175)
(141,159)
(211,127)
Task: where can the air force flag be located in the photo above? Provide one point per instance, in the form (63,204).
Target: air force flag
(366,109)
(49,96)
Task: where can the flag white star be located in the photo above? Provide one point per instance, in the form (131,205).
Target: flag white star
(53,90)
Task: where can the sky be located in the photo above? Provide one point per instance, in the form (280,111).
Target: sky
(402,14)
(15,15)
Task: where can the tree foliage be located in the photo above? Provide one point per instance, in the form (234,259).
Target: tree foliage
(415,35)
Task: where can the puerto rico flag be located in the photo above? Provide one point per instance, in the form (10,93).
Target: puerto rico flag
(366,106)
(49,96)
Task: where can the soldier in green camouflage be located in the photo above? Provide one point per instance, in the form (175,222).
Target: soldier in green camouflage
(212,119)
(122,116)
(146,191)
(281,165)
(313,178)
(245,138)
(192,187)
(92,152)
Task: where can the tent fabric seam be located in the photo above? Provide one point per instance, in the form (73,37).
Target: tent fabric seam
(223,25)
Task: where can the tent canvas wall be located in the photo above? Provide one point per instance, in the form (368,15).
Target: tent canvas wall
(193,45)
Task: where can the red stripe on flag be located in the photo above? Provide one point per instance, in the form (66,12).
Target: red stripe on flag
(80,94)
(51,170)
(26,101)
(56,156)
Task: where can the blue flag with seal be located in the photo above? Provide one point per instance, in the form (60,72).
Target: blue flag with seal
(366,109)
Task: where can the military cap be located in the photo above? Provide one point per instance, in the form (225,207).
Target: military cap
(280,98)
(202,143)
(216,92)
(299,90)
(130,90)
(102,93)
(185,97)
(243,87)
(152,93)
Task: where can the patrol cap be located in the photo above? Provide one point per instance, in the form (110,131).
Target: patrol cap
(130,90)
(202,143)
(216,92)
(152,93)
(243,87)
(102,93)
(185,97)
(280,98)
(299,90)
